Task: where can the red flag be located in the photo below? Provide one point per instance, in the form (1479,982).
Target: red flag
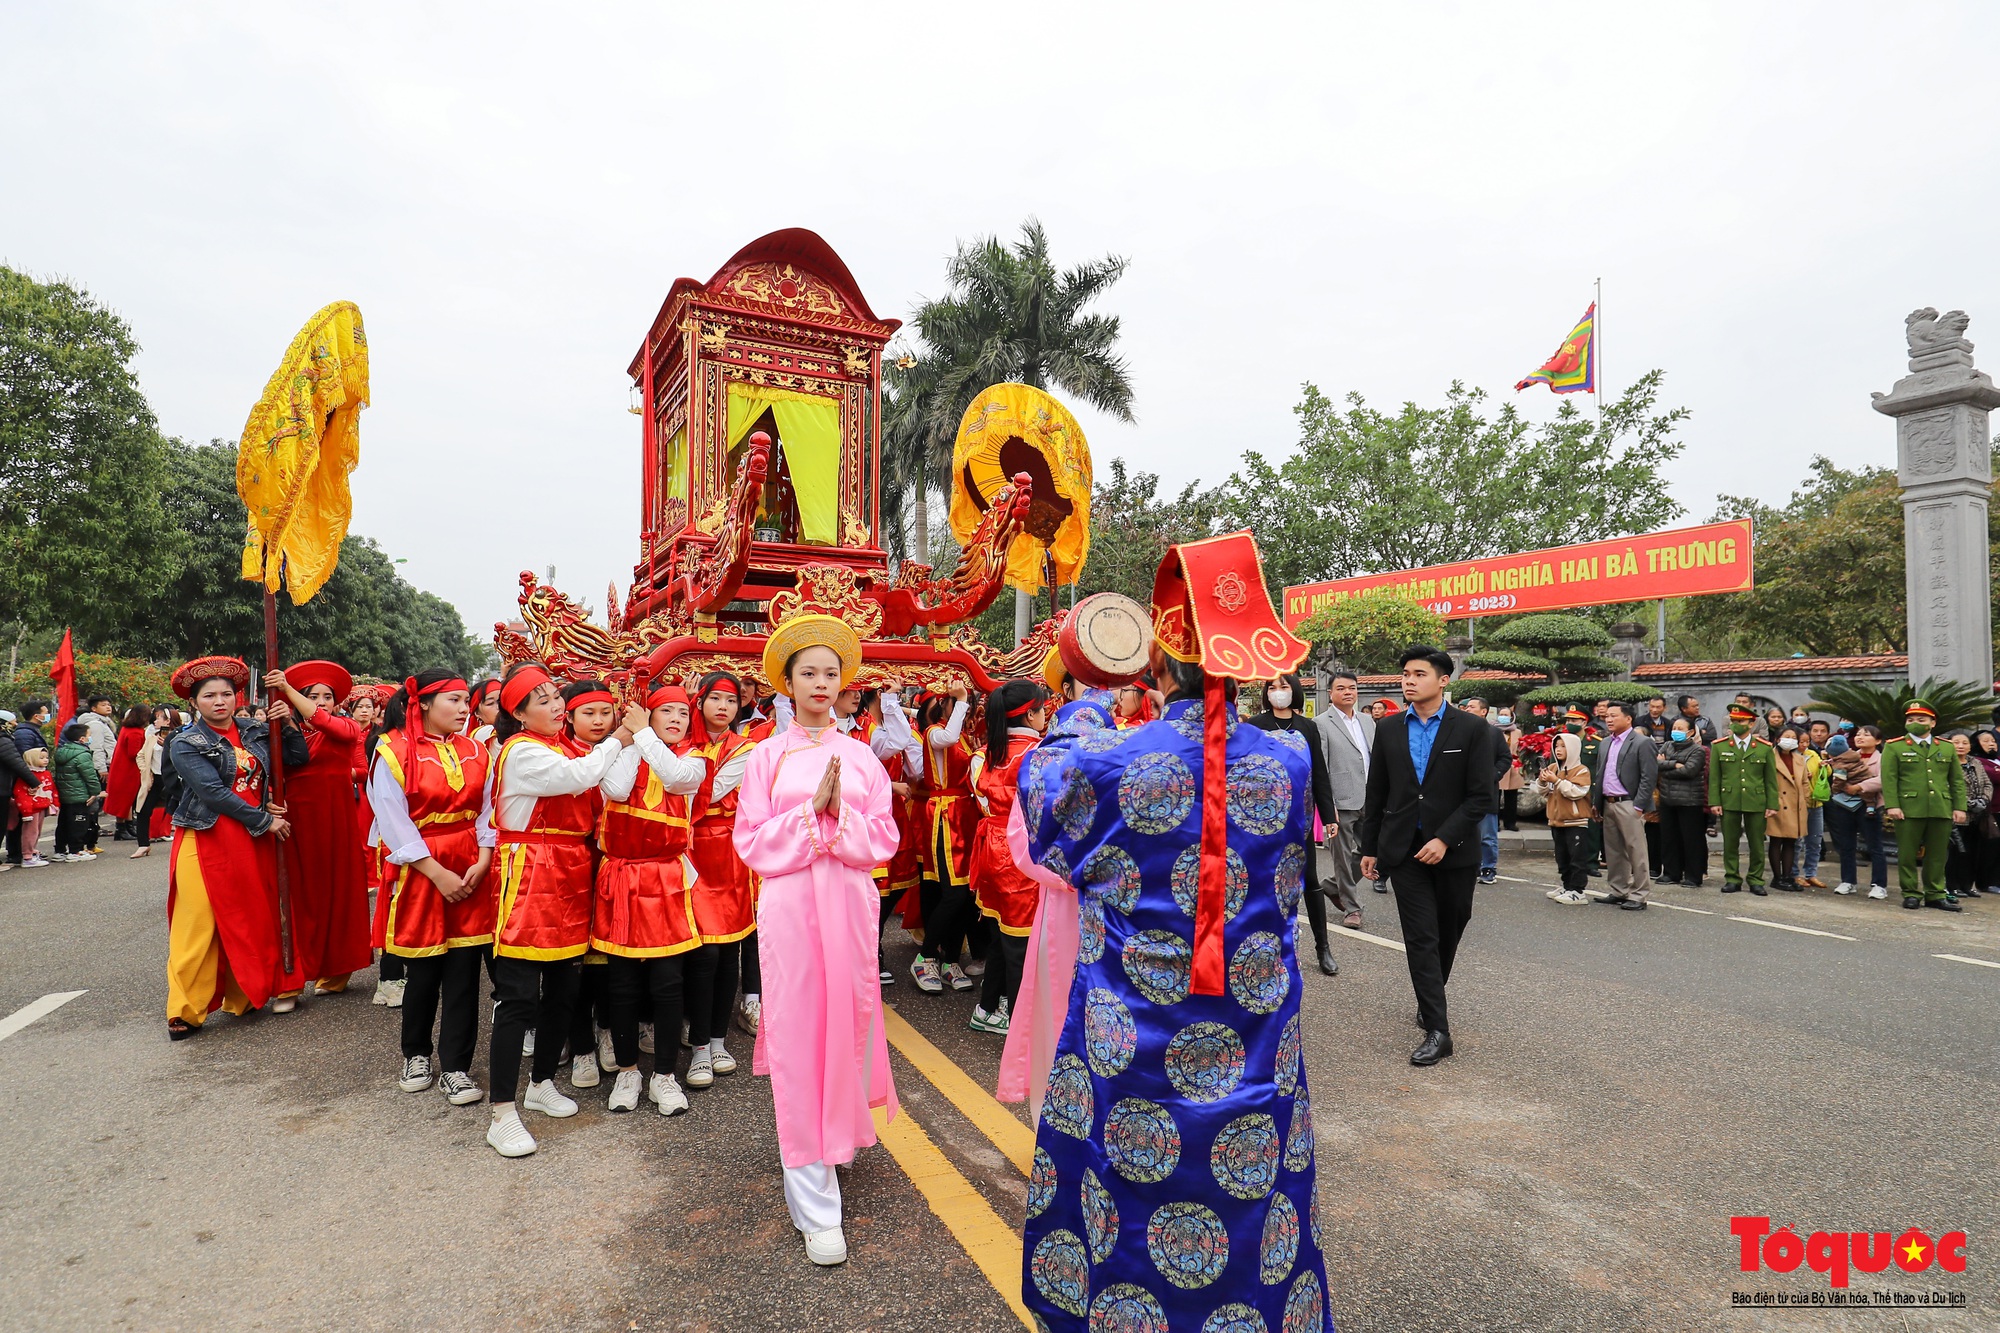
(63,672)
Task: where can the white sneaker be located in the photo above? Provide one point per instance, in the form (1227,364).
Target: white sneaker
(955,977)
(459,1089)
(1878,893)
(720,1058)
(416,1074)
(750,1013)
(284,1004)
(701,1069)
(925,973)
(826,1248)
(507,1135)
(56,858)
(547,1098)
(646,1038)
(1843,888)
(1553,893)
(528,1042)
(686,1034)
(625,1090)
(395,988)
(1572,897)
(83,856)
(666,1094)
(583,1072)
(975,967)
(607,1052)
(33,862)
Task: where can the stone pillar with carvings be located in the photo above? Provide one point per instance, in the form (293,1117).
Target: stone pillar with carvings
(1944,463)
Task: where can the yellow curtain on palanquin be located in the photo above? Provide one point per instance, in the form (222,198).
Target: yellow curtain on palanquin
(677,465)
(301,441)
(809,427)
(1013,428)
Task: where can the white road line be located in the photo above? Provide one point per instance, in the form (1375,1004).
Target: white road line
(1797,930)
(1397,945)
(41,1008)
(1961,958)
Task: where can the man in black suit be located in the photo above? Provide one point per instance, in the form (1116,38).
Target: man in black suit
(1430,781)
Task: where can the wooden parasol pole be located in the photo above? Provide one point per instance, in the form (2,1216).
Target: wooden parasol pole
(278,785)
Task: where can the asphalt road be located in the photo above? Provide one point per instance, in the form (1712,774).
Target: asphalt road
(1625,1083)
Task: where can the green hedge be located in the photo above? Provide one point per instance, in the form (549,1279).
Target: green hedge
(1552,629)
(1501,659)
(126,680)
(1590,691)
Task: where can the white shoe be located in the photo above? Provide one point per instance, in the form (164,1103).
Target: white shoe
(625,1090)
(547,1098)
(33,862)
(1572,897)
(719,1057)
(924,971)
(665,1093)
(284,1004)
(416,1074)
(583,1072)
(459,1089)
(686,1031)
(607,1052)
(975,967)
(396,989)
(57,858)
(507,1135)
(528,1042)
(701,1069)
(750,1013)
(381,995)
(1843,888)
(83,856)
(955,977)
(646,1038)
(1878,893)
(826,1248)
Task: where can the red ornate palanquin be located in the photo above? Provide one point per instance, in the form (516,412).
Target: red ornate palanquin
(761,398)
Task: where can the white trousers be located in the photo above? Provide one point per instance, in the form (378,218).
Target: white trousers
(812,1193)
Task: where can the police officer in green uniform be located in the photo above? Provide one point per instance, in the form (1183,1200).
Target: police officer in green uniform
(1923,795)
(1743,789)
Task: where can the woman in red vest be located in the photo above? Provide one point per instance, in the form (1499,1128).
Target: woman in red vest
(327,859)
(543,790)
(1016,714)
(724,896)
(949,820)
(593,714)
(643,919)
(433,816)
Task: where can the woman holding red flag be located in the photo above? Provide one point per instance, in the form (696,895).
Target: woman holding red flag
(222,895)
(642,921)
(434,915)
(328,865)
(543,793)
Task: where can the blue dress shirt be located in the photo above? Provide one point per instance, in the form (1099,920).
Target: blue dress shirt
(1423,735)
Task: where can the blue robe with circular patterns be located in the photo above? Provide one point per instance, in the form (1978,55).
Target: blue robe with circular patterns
(1172,1189)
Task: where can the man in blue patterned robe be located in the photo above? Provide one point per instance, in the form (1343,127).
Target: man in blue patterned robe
(1172,1187)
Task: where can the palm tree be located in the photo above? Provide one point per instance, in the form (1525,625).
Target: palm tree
(1010,316)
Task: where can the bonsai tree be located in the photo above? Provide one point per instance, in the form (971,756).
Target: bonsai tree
(1368,632)
(1552,642)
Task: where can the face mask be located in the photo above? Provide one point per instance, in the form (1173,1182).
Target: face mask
(1503,720)
(1800,718)
(1574,728)
(1280,698)
(1740,728)
(1917,728)
(1679,735)
(1788,743)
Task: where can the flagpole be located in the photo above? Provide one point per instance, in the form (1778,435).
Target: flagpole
(274,740)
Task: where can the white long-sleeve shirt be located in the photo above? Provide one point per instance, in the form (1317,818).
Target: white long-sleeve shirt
(535,771)
(680,774)
(395,830)
(946,736)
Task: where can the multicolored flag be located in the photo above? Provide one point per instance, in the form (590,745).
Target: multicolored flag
(1573,368)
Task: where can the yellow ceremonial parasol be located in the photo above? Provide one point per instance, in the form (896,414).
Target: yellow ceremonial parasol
(1013,428)
(302,439)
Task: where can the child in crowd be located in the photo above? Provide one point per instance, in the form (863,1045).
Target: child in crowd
(79,790)
(32,802)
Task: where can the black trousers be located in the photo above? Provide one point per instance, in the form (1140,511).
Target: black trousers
(592,1009)
(1572,855)
(710,995)
(630,983)
(1655,842)
(753,967)
(534,994)
(1684,842)
(1005,956)
(1315,900)
(946,928)
(13,842)
(452,980)
(159,796)
(1434,903)
(76,830)
(395,967)
(1510,808)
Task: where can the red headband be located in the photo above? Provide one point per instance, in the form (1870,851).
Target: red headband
(590,697)
(668,694)
(1030,706)
(413,721)
(523,683)
(722,686)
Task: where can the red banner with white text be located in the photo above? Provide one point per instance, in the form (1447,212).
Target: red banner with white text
(1681,562)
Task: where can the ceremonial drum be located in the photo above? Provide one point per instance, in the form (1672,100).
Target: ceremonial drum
(1104,641)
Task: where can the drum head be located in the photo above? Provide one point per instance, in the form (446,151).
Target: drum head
(1105,641)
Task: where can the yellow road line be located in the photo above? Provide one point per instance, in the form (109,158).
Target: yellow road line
(1015,1140)
(990,1242)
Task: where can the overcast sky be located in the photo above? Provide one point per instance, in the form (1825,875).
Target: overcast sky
(1376,198)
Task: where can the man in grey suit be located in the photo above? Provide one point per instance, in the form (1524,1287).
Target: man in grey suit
(1622,782)
(1347,735)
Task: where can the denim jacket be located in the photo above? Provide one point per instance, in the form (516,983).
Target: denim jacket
(207,769)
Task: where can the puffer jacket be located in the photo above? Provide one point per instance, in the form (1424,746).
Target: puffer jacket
(1565,784)
(1684,774)
(76,773)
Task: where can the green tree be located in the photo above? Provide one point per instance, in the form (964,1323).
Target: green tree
(366,617)
(82,537)
(1366,492)
(1011,315)
(1367,633)
(1553,642)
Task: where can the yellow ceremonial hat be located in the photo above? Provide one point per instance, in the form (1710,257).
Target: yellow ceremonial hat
(811,631)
